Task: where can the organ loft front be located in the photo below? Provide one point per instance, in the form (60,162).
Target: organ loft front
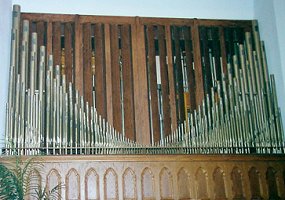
(144,108)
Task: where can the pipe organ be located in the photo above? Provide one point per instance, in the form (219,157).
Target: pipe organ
(89,85)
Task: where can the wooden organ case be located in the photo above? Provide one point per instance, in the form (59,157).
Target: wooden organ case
(145,108)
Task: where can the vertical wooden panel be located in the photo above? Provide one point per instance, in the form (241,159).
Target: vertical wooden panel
(189,69)
(87,69)
(197,63)
(78,71)
(49,38)
(108,75)
(56,41)
(128,93)
(153,83)
(164,81)
(41,33)
(140,86)
(206,77)
(223,49)
(116,96)
(40,26)
(171,79)
(100,70)
(179,77)
(68,46)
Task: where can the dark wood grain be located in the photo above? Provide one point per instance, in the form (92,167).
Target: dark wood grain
(179,80)
(100,72)
(68,46)
(153,82)
(116,91)
(129,115)
(198,65)
(87,68)
(78,57)
(189,68)
(164,81)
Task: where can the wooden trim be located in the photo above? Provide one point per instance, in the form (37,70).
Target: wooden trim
(49,17)
(106,19)
(154,158)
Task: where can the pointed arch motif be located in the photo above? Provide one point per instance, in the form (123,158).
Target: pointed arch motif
(129,184)
(111,184)
(53,180)
(202,186)
(236,177)
(272,184)
(166,184)
(219,184)
(72,181)
(183,184)
(254,182)
(147,178)
(35,181)
(91,184)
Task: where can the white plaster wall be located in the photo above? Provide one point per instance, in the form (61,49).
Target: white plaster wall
(5,27)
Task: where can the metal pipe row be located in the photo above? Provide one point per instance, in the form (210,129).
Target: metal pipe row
(45,114)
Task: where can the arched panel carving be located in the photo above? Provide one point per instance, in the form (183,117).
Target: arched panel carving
(166,184)
(201,181)
(35,182)
(111,184)
(183,184)
(219,184)
(72,182)
(91,185)
(254,183)
(238,191)
(53,180)
(148,184)
(271,183)
(129,184)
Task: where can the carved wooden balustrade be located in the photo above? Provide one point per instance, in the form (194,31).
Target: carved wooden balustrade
(165,176)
